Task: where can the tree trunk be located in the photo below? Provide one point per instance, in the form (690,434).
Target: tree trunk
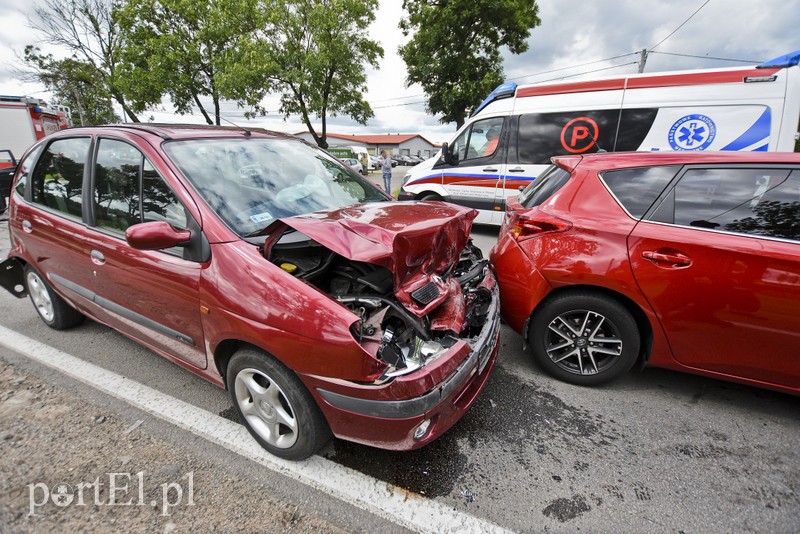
(131,115)
(202,109)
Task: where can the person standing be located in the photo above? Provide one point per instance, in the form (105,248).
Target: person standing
(386,167)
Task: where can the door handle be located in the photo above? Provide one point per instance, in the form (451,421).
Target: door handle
(675,258)
(27,227)
(489,169)
(516,169)
(97,257)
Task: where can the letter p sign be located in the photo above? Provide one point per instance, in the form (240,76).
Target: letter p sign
(582,133)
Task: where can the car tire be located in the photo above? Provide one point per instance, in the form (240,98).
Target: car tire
(54,311)
(584,338)
(430,196)
(275,406)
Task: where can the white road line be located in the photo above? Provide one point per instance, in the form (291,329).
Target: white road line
(380,498)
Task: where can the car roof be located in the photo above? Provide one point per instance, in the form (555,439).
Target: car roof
(183,131)
(644,159)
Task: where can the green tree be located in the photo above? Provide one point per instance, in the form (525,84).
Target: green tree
(313,53)
(175,47)
(454,49)
(89,30)
(73,84)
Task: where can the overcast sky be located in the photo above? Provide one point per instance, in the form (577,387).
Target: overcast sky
(574,33)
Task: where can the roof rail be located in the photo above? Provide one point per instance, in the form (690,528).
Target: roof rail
(141,127)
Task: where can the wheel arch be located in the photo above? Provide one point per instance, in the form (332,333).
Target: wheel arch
(639,316)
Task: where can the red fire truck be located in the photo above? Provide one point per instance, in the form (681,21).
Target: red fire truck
(23,121)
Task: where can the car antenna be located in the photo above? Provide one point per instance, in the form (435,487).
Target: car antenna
(599,148)
(247,133)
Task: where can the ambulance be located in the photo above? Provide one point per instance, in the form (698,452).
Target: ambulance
(511,136)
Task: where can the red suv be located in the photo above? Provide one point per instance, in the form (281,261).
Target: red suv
(266,266)
(686,260)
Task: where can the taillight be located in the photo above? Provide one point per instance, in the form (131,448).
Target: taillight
(533,223)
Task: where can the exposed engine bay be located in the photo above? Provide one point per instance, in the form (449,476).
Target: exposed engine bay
(406,327)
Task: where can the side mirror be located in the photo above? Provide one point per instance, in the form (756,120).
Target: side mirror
(448,156)
(156,235)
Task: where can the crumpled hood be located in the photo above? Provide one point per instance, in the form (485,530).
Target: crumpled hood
(414,240)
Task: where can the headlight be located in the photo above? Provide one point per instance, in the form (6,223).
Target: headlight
(406,178)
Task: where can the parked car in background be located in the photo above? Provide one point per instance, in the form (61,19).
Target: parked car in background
(355,165)
(266,266)
(375,163)
(685,260)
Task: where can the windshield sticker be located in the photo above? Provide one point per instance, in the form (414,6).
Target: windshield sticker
(261,217)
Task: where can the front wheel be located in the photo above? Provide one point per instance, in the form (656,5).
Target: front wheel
(430,196)
(275,406)
(53,310)
(584,338)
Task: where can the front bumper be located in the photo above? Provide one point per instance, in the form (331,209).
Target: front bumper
(390,424)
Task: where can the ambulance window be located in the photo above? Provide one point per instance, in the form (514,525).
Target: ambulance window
(541,136)
(637,189)
(479,140)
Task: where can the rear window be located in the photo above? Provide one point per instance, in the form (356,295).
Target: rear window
(550,181)
(637,189)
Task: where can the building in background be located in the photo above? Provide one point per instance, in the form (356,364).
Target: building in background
(397,144)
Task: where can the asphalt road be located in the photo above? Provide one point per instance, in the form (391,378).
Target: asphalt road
(656,451)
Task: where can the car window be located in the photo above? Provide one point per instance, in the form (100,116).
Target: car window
(479,140)
(129,190)
(764,202)
(251,182)
(116,185)
(550,181)
(25,166)
(637,189)
(159,203)
(58,176)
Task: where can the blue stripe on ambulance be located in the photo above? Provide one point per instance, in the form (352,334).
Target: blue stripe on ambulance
(759,131)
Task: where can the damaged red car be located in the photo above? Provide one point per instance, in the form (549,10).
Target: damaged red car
(266,266)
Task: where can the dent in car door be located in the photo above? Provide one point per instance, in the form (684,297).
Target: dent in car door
(724,274)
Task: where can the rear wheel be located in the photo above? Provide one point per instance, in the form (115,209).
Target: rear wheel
(53,310)
(585,339)
(275,406)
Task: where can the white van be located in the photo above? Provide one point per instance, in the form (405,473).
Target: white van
(746,109)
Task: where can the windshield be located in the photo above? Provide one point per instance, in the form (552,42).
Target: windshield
(252,182)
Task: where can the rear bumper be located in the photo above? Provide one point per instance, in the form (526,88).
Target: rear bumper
(391,424)
(521,284)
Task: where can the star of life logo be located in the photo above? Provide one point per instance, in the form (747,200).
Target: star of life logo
(692,132)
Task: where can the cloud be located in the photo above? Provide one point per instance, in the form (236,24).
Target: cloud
(573,32)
